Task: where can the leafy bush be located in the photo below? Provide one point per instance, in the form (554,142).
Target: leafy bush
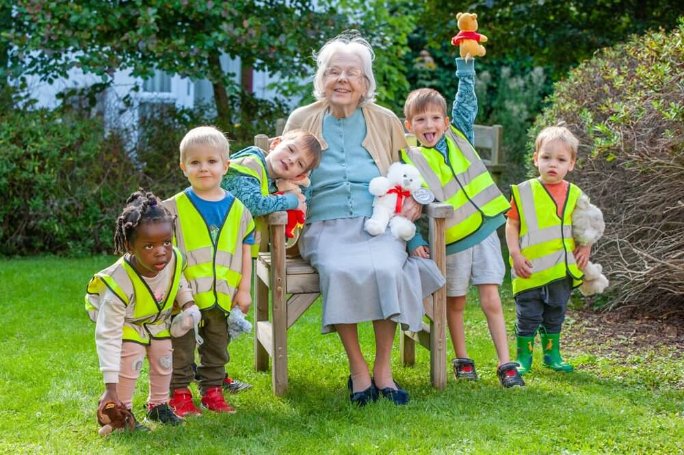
(626,106)
(62,184)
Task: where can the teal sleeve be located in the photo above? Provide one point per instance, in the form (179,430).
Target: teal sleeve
(464,109)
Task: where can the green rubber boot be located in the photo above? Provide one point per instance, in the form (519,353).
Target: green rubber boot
(552,355)
(525,349)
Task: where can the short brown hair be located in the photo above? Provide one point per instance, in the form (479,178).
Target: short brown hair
(419,100)
(311,144)
(557,133)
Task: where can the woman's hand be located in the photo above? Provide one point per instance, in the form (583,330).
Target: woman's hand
(422,252)
(411,209)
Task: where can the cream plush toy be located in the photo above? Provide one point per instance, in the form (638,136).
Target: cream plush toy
(390,192)
(587,228)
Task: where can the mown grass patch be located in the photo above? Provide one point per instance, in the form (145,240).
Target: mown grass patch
(50,383)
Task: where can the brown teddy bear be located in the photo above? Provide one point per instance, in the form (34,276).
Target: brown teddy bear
(467,38)
(113,417)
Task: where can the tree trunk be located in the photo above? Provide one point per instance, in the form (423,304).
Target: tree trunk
(247,87)
(223,120)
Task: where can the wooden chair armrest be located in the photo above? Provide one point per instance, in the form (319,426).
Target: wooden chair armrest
(277,219)
(439,210)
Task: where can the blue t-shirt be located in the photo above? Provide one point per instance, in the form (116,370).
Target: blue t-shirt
(214,213)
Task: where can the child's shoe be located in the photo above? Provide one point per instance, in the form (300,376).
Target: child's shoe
(464,368)
(525,351)
(552,355)
(234,385)
(164,414)
(214,401)
(181,403)
(509,376)
(139,426)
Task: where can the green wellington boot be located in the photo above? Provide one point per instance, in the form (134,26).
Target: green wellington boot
(525,349)
(552,355)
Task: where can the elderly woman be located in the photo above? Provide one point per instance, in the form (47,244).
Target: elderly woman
(363,278)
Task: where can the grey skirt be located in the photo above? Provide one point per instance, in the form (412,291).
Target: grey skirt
(366,278)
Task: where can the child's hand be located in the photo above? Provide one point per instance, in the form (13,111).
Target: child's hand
(522,267)
(422,252)
(582,254)
(109,395)
(243,300)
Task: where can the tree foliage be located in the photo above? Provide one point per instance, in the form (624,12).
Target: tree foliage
(185,37)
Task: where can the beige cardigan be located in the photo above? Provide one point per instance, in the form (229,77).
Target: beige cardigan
(384,137)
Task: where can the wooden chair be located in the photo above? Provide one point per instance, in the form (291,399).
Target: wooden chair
(291,286)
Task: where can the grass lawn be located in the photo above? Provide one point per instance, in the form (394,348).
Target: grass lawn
(50,384)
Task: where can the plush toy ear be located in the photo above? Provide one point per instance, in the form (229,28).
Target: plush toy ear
(458,16)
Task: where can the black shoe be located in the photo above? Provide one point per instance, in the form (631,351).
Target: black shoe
(234,385)
(509,375)
(365,396)
(139,426)
(163,413)
(464,368)
(398,396)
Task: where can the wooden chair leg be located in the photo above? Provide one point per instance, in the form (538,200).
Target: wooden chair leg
(260,314)
(438,349)
(279,302)
(407,349)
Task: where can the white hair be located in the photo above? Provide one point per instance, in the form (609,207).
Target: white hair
(353,43)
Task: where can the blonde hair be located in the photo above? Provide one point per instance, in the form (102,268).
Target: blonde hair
(205,136)
(418,101)
(557,133)
(353,43)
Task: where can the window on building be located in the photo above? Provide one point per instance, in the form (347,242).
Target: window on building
(160,83)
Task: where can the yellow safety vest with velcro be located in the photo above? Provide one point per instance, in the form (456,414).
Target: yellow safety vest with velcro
(545,238)
(145,318)
(463,182)
(213,272)
(253,167)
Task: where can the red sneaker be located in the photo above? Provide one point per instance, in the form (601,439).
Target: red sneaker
(181,403)
(214,401)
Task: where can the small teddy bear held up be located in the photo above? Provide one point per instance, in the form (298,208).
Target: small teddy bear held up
(467,38)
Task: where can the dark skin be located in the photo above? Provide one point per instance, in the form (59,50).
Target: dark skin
(150,251)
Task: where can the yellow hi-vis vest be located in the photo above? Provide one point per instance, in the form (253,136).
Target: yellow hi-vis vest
(253,167)
(145,317)
(464,183)
(545,238)
(213,273)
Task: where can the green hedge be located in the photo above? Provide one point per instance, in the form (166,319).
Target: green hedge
(62,183)
(626,106)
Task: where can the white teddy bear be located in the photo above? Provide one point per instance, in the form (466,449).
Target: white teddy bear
(390,192)
(587,228)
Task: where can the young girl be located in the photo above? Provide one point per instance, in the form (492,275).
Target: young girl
(131,303)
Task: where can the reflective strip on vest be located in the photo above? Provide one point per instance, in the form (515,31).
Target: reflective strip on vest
(545,238)
(213,273)
(464,183)
(252,166)
(147,318)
